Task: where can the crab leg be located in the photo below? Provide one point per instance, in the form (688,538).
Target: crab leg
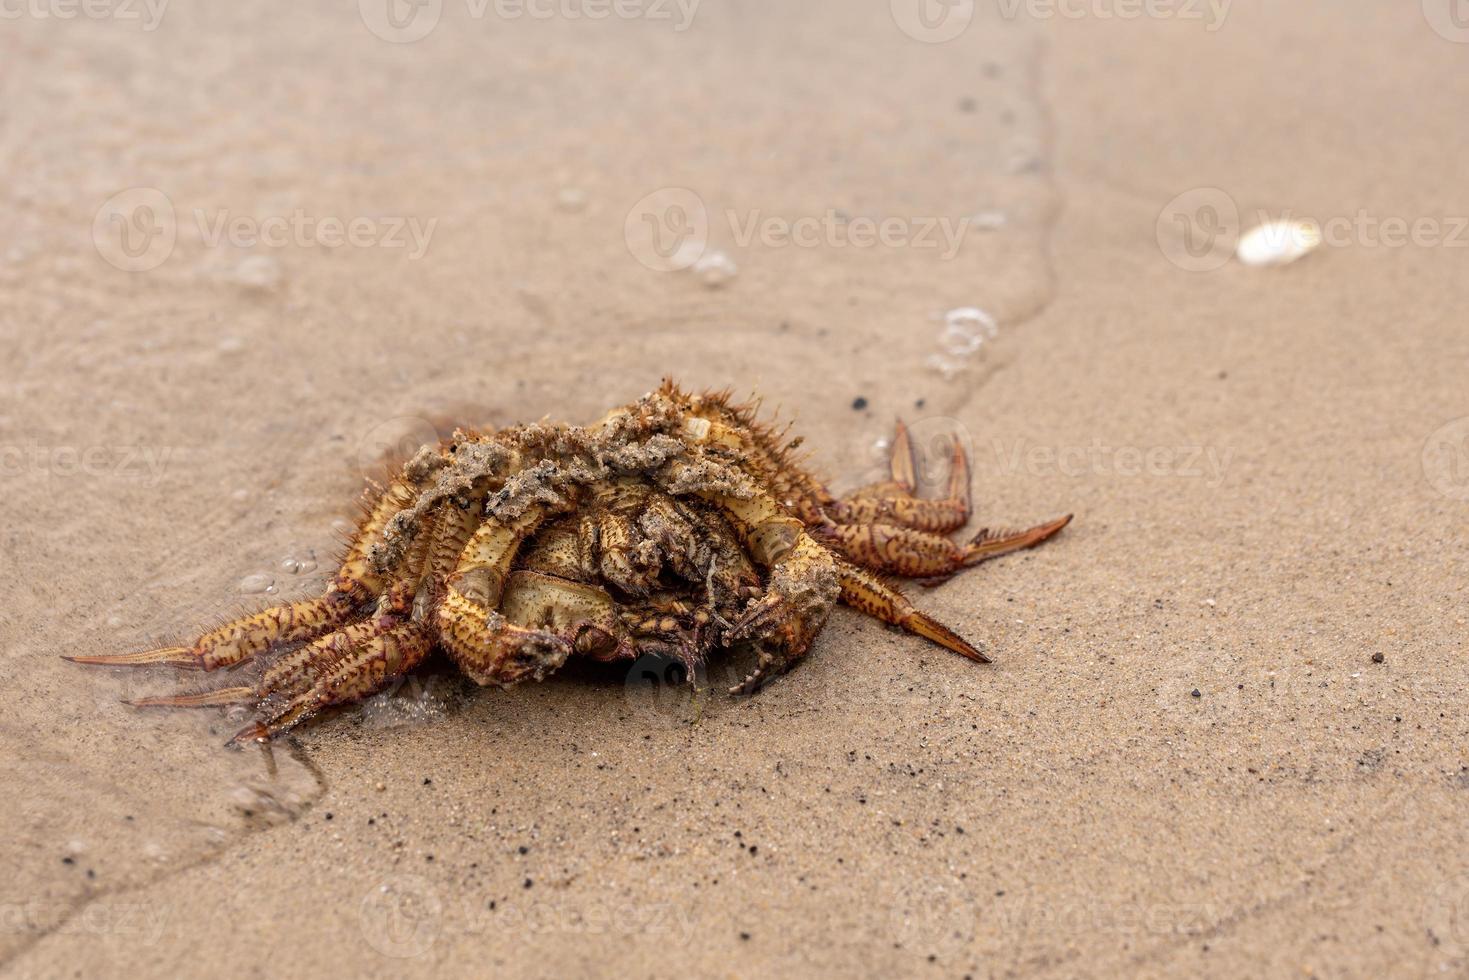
(475,635)
(299,669)
(798,598)
(454,524)
(867,593)
(367,667)
(902,551)
(541,621)
(239,640)
(199,699)
(485,563)
(894,502)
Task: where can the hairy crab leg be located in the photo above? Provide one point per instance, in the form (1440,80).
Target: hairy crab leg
(867,593)
(239,640)
(894,501)
(896,550)
(368,666)
(541,621)
(199,699)
(470,629)
(802,588)
(299,669)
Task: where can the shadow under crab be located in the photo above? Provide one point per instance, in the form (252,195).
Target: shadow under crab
(678,525)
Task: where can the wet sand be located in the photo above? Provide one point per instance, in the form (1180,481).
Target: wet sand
(1186,760)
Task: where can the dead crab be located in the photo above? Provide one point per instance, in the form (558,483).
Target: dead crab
(679,525)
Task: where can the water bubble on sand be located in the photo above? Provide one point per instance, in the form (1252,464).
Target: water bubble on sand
(412,702)
(715,268)
(992,220)
(257,583)
(299,564)
(231,345)
(1278,242)
(277,799)
(261,272)
(114,622)
(571,199)
(966,328)
(244,798)
(945,367)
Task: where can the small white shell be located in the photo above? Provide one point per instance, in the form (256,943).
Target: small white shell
(1278,242)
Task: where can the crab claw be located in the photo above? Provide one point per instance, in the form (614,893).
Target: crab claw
(782,634)
(254,732)
(785,620)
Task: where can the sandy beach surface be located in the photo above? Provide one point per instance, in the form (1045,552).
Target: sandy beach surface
(250,248)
